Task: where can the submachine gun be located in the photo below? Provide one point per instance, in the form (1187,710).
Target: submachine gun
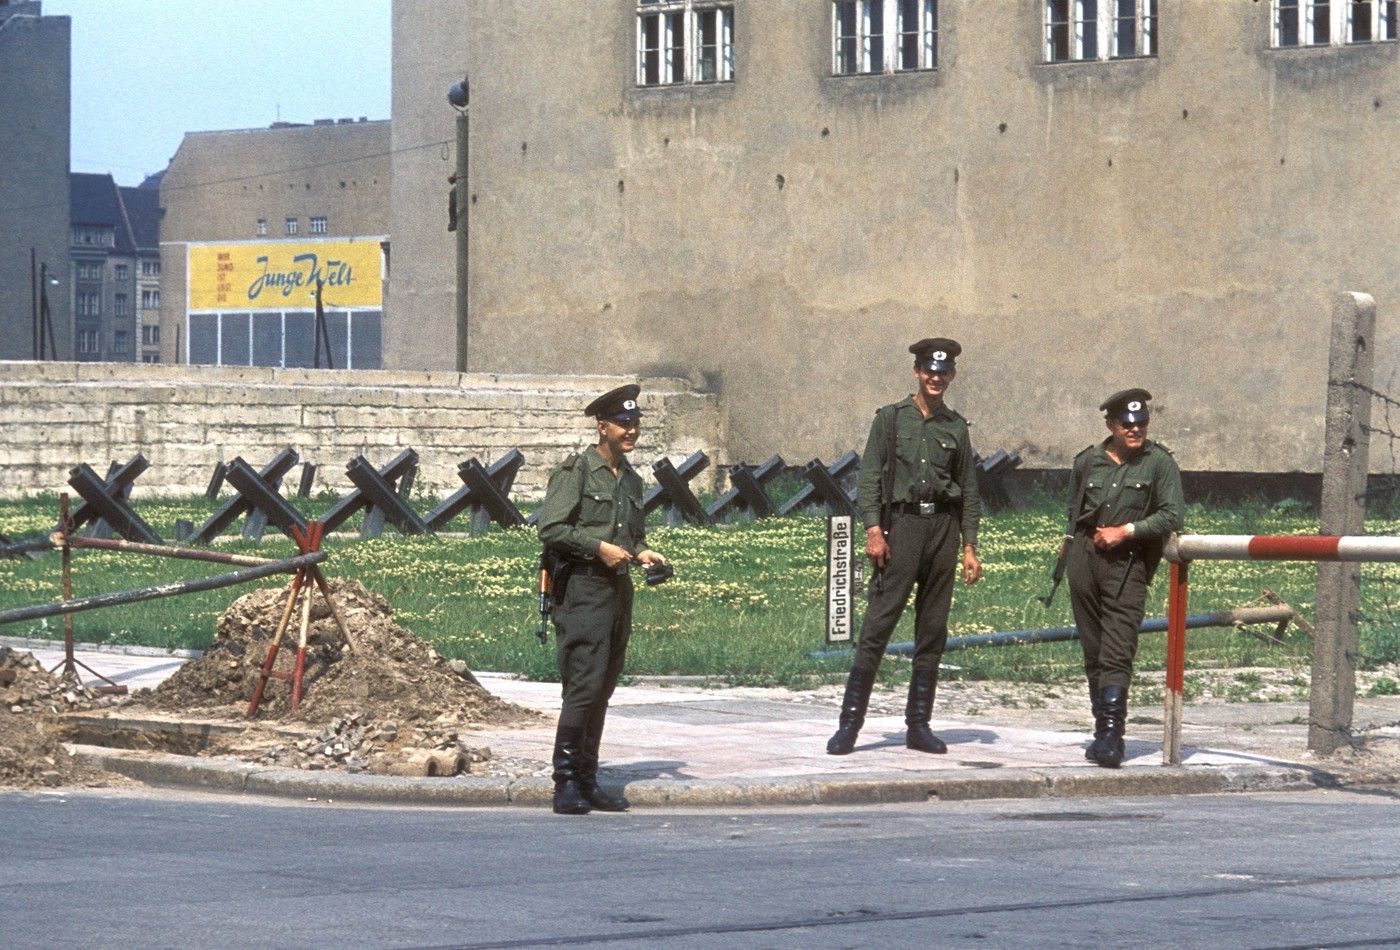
(554,577)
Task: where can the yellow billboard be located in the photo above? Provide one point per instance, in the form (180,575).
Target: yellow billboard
(282,275)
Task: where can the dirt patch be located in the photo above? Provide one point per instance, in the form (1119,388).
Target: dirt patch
(31,754)
(391,704)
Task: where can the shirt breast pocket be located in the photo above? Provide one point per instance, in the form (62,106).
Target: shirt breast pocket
(595,510)
(1133,500)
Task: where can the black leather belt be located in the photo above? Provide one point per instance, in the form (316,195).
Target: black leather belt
(924,508)
(597,569)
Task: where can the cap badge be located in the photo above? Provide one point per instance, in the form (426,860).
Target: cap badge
(1134,406)
(940,355)
(629,404)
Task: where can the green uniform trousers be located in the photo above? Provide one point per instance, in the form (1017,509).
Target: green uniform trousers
(923,551)
(592,627)
(1108,621)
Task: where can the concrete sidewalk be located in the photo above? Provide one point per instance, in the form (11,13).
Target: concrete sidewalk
(681,744)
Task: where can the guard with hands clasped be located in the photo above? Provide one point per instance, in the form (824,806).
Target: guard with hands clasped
(918,498)
(591,524)
(1125,500)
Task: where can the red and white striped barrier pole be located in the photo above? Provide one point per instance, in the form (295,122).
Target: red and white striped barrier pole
(1182,549)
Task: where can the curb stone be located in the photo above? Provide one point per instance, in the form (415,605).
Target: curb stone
(167,770)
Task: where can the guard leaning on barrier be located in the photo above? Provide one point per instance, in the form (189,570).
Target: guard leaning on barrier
(591,522)
(1125,500)
(917,496)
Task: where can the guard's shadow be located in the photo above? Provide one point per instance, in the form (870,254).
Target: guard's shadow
(640,771)
(953,737)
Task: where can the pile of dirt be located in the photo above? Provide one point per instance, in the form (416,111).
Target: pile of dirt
(391,674)
(26,687)
(31,756)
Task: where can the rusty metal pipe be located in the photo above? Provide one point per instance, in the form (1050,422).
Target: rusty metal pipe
(163,590)
(164,550)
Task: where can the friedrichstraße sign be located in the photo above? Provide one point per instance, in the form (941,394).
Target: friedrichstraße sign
(842,578)
(282,275)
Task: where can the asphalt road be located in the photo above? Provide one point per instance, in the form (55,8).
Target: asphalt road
(155,869)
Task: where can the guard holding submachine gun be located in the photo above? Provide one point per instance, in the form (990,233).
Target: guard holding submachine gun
(1125,499)
(918,497)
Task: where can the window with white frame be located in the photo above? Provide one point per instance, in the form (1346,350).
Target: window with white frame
(150,268)
(1332,22)
(883,36)
(89,305)
(684,41)
(122,272)
(318,226)
(150,334)
(150,300)
(119,305)
(121,341)
(1078,30)
(88,341)
(292,226)
(262,227)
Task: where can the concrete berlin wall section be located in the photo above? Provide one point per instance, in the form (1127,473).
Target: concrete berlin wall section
(187,418)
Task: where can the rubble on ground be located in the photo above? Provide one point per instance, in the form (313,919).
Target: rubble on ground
(390,705)
(26,687)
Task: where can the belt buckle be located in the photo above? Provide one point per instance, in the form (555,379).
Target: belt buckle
(928,507)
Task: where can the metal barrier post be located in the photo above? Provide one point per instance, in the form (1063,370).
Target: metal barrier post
(1176,663)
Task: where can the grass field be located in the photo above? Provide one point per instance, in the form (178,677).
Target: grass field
(746,605)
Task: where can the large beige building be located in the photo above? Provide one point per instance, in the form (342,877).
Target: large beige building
(779,196)
(254,221)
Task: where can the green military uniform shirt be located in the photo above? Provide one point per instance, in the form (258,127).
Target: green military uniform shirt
(585,505)
(1144,490)
(933,462)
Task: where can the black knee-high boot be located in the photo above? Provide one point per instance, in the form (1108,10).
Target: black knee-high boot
(853,704)
(568,755)
(1115,711)
(1096,748)
(588,767)
(919,710)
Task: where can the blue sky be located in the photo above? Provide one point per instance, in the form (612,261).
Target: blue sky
(147,71)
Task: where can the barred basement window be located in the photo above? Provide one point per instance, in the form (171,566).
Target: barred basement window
(318,225)
(684,41)
(1332,22)
(1077,30)
(292,226)
(863,44)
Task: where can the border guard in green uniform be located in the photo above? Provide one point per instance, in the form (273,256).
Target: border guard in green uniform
(917,496)
(592,523)
(1125,499)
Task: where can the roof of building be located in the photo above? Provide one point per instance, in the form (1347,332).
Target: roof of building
(143,214)
(93,200)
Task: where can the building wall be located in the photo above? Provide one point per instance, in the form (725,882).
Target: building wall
(187,418)
(1179,222)
(429,56)
(219,184)
(34,122)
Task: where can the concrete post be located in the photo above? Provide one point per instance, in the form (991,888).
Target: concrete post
(1345,461)
(464,204)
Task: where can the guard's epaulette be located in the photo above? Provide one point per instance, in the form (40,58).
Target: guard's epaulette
(1158,445)
(965,419)
(1085,451)
(570,462)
